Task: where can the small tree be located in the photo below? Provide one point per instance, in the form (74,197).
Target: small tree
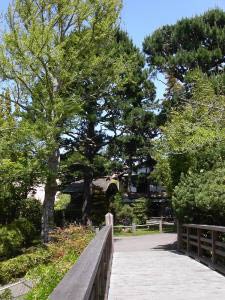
(140,209)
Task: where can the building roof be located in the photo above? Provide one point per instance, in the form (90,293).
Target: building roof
(102,183)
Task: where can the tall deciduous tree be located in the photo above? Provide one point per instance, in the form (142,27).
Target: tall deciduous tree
(39,68)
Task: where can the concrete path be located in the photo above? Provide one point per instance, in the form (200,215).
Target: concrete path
(18,289)
(148,268)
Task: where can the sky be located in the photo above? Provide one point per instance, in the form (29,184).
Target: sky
(141,17)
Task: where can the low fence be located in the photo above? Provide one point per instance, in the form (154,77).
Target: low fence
(152,223)
(205,243)
(89,278)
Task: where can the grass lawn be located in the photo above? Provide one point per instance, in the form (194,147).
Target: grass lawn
(136,233)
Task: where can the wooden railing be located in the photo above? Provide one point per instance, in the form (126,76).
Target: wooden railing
(205,243)
(89,278)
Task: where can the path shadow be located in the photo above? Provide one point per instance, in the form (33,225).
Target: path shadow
(171,247)
(166,247)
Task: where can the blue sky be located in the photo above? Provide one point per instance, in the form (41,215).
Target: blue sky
(141,17)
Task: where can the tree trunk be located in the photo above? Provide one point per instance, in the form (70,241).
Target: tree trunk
(86,209)
(130,166)
(88,176)
(50,193)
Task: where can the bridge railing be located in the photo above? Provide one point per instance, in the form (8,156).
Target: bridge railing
(89,278)
(205,243)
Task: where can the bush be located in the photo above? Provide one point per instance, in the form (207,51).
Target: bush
(31,209)
(140,208)
(200,198)
(125,215)
(17,267)
(26,228)
(68,244)
(15,236)
(11,242)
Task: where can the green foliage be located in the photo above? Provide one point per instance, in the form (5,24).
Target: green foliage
(6,295)
(193,138)
(49,276)
(79,34)
(20,233)
(134,116)
(125,215)
(17,267)
(46,266)
(26,228)
(140,210)
(200,197)
(68,245)
(188,44)
(11,242)
(31,209)
(62,202)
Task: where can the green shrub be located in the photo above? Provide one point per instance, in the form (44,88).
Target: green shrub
(31,209)
(18,266)
(125,215)
(11,242)
(140,209)
(26,228)
(48,276)
(68,244)
(200,197)
(15,236)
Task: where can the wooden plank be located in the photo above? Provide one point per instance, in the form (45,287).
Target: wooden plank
(219,252)
(209,241)
(194,237)
(220,244)
(146,272)
(193,243)
(206,247)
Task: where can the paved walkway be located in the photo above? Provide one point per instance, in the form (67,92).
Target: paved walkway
(148,268)
(17,289)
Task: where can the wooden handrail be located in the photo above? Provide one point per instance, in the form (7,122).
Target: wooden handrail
(206,243)
(89,278)
(206,227)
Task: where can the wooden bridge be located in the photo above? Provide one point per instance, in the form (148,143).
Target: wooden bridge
(149,267)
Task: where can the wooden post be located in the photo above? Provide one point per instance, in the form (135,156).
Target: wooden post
(109,219)
(187,240)
(133,227)
(161,225)
(179,236)
(109,222)
(199,242)
(214,236)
